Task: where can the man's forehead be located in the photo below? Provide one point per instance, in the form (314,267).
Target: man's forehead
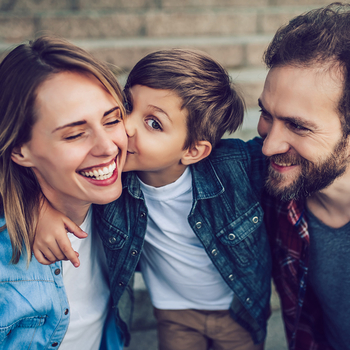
(292,91)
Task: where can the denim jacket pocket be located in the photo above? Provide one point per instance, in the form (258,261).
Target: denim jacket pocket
(242,237)
(25,322)
(111,237)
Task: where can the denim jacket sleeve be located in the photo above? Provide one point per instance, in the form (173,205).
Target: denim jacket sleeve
(33,304)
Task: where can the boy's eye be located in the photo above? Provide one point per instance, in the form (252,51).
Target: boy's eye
(153,124)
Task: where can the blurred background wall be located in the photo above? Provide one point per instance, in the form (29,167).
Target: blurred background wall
(234,32)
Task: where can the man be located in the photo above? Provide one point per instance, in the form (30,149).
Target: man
(305,123)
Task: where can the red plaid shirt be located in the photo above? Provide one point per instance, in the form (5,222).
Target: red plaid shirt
(289,237)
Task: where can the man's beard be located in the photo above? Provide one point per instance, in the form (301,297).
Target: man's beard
(313,176)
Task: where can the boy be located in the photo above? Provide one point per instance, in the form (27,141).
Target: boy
(191,205)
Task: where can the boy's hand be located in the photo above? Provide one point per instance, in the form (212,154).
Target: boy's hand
(51,242)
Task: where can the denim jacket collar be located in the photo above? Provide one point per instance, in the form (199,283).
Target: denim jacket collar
(206,183)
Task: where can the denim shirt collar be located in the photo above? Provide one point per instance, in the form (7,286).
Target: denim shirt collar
(206,183)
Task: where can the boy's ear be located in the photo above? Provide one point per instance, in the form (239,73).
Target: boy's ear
(20,156)
(199,151)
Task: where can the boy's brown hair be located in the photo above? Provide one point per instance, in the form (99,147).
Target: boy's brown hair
(214,106)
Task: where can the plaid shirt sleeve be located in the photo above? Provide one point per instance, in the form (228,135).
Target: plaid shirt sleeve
(289,238)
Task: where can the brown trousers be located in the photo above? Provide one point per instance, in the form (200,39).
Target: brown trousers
(201,330)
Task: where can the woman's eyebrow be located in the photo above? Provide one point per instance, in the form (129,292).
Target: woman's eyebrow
(81,122)
(111,111)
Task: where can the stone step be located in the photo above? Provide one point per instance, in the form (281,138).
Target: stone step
(147,23)
(250,82)
(32,6)
(230,51)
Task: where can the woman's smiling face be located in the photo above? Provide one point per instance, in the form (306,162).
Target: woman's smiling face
(78,145)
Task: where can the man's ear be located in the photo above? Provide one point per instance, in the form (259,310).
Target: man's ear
(199,151)
(20,155)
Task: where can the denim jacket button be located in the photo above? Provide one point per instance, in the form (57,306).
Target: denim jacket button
(231,236)
(255,219)
(231,277)
(198,224)
(214,252)
(143,214)
(112,240)
(54,344)
(66,311)
(248,301)
(57,272)
(134,252)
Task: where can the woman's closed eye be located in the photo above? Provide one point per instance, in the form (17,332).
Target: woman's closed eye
(73,137)
(113,122)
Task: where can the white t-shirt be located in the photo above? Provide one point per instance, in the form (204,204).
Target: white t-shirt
(175,266)
(87,290)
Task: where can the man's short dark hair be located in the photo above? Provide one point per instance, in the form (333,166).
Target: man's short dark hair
(318,37)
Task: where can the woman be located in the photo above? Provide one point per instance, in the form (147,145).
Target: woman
(61,136)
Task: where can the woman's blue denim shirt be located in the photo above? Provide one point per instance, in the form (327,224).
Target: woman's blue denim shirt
(34,310)
(227,218)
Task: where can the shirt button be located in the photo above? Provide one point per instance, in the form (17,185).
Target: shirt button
(121,284)
(198,224)
(66,311)
(143,214)
(54,344)
(134,252)
(214,252)
(57,272)
(112,240)
(231,277)
(255,219)
(231,236)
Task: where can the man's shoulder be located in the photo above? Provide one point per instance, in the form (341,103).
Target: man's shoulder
(237,149)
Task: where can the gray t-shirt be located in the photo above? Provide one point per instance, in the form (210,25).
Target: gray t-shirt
(329,276)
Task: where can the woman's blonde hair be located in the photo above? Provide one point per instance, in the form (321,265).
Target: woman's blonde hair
(22,71)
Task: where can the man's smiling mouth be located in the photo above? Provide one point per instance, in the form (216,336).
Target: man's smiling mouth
(284,164)
(102,173)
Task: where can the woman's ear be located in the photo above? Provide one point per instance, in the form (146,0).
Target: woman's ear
(199,151)
(21,156)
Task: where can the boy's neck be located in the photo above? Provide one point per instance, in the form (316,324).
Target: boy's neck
(159,179)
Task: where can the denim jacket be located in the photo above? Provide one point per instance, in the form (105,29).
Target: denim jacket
(34,310)
(227,218)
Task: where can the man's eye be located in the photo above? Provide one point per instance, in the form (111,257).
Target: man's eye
(264,115)
(297,128)
(154,124)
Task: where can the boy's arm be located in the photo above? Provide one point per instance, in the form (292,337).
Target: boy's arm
(51,242)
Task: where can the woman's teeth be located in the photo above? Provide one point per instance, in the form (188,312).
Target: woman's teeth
(100,174)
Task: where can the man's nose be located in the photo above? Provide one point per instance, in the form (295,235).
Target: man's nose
(275,138)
